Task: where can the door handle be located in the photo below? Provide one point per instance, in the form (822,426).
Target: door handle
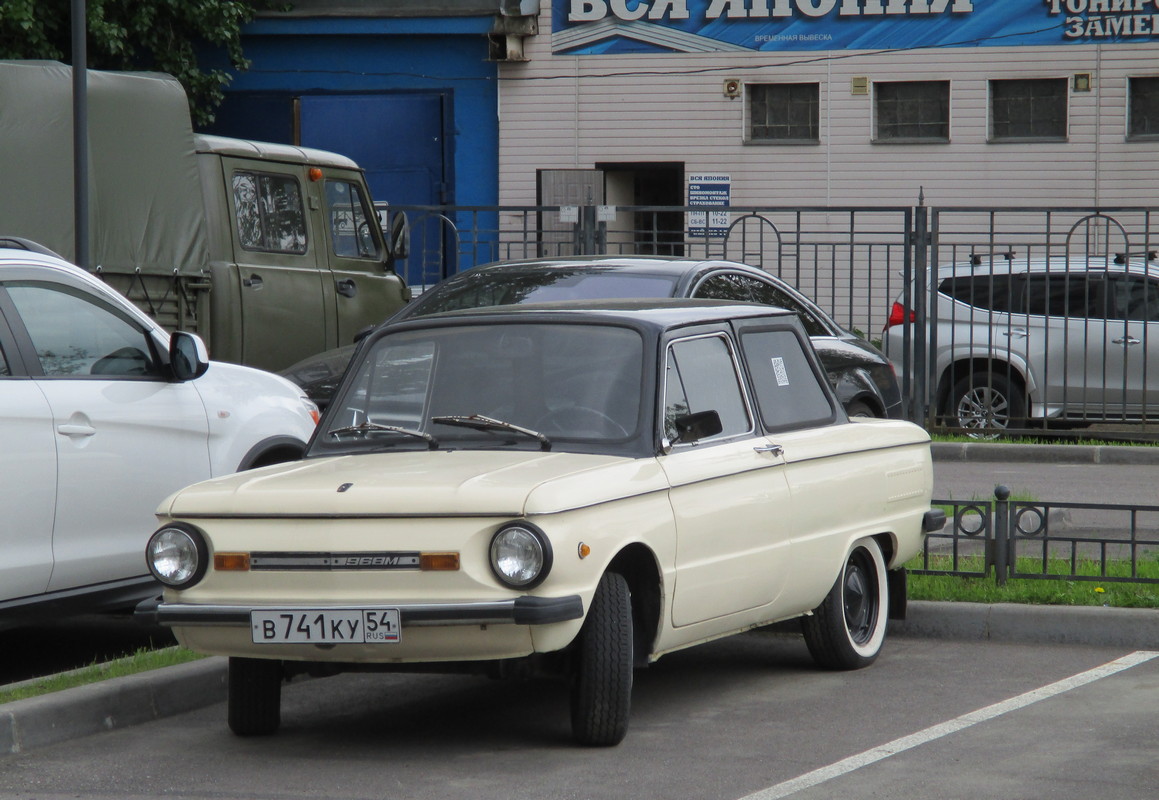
(774,449)
(1127,340)
(1020,333)
(72,430)
(252,282)
(347,287)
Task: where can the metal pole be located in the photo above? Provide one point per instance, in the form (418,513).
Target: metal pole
(923,330)
(80,123)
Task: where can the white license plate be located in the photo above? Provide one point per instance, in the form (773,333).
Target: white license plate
(326,626)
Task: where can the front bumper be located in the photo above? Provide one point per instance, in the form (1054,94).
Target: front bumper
(517,611)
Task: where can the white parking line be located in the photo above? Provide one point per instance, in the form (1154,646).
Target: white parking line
(845,766)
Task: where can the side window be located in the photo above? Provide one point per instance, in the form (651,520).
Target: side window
(726,286)
(76,336)
(1135,298)
(770,295)
(4,371)
(700,375)
(350,220)
(1066,294)
(745,288)
(789,394)
(269,212)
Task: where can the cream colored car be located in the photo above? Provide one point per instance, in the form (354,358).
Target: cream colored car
(562,489)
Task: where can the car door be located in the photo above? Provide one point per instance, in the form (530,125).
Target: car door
(362,289)
(728,491)
(125,437)
(28,464)
(283,312)
(1135,301)
(832,475)
(1070,332)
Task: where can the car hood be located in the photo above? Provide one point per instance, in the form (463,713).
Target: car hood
(426,483)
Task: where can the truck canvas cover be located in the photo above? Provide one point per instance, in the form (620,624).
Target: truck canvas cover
(146,210)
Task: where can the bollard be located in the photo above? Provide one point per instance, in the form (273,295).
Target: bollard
(1001,533)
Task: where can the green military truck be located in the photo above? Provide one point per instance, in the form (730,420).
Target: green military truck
(270,252)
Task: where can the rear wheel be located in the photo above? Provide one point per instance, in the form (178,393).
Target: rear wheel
(255,696)
(985,404)
(856,408)
(601,692)
(848,629)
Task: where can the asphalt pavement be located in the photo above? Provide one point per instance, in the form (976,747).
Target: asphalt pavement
(121,702)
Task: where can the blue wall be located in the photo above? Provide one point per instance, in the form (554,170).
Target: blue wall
(446,56)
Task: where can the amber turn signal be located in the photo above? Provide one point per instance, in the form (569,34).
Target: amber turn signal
(231,562)
(439,561)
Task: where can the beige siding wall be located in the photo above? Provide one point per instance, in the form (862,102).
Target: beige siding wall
(565,112)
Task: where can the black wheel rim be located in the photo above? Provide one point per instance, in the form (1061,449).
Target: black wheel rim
(860,597)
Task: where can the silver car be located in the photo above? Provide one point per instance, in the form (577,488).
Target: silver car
(1064,341)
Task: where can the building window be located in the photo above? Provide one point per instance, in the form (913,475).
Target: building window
(784,112)
(912,111)
(1028,109)
(1143,113)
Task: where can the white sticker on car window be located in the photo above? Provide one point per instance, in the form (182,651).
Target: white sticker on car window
(781,373)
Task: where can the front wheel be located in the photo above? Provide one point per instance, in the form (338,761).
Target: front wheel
(255,696)
(601,692)
(847,630)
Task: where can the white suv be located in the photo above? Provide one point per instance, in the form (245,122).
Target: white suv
(102,415)
(1069,341)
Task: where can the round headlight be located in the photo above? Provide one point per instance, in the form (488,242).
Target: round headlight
(177,555)
(520,555)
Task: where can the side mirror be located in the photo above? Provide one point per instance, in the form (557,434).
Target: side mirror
(701,425)
(188,357)
(399,244)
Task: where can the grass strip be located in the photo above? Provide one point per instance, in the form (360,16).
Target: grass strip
(142,660)
(1091,591)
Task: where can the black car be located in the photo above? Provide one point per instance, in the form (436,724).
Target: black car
(863,378)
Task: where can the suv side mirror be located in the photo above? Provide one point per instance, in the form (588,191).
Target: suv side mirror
(701,425)
(188,357)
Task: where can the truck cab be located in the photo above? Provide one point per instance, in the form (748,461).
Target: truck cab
(297,260)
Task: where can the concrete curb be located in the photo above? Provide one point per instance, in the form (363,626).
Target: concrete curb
(120,702)
(115,703)
(1100,626)
(1044,453)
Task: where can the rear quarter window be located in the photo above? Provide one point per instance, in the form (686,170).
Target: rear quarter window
(1001,293)
(788,391)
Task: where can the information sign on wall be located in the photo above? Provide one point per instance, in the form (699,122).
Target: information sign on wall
(715,193)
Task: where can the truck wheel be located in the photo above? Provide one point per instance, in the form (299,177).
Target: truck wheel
(601,692)
(255,696)
(847,630)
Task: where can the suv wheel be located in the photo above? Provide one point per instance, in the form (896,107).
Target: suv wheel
(985,404)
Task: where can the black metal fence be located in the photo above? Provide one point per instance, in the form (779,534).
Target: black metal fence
(1004,352)
(1004,538)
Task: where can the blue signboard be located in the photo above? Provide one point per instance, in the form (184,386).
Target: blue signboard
(592,27)
(714,192)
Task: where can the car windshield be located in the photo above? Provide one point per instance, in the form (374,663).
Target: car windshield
(479,288)
(531,385)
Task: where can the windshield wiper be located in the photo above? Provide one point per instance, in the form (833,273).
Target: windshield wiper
(481,423)
(366,428)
